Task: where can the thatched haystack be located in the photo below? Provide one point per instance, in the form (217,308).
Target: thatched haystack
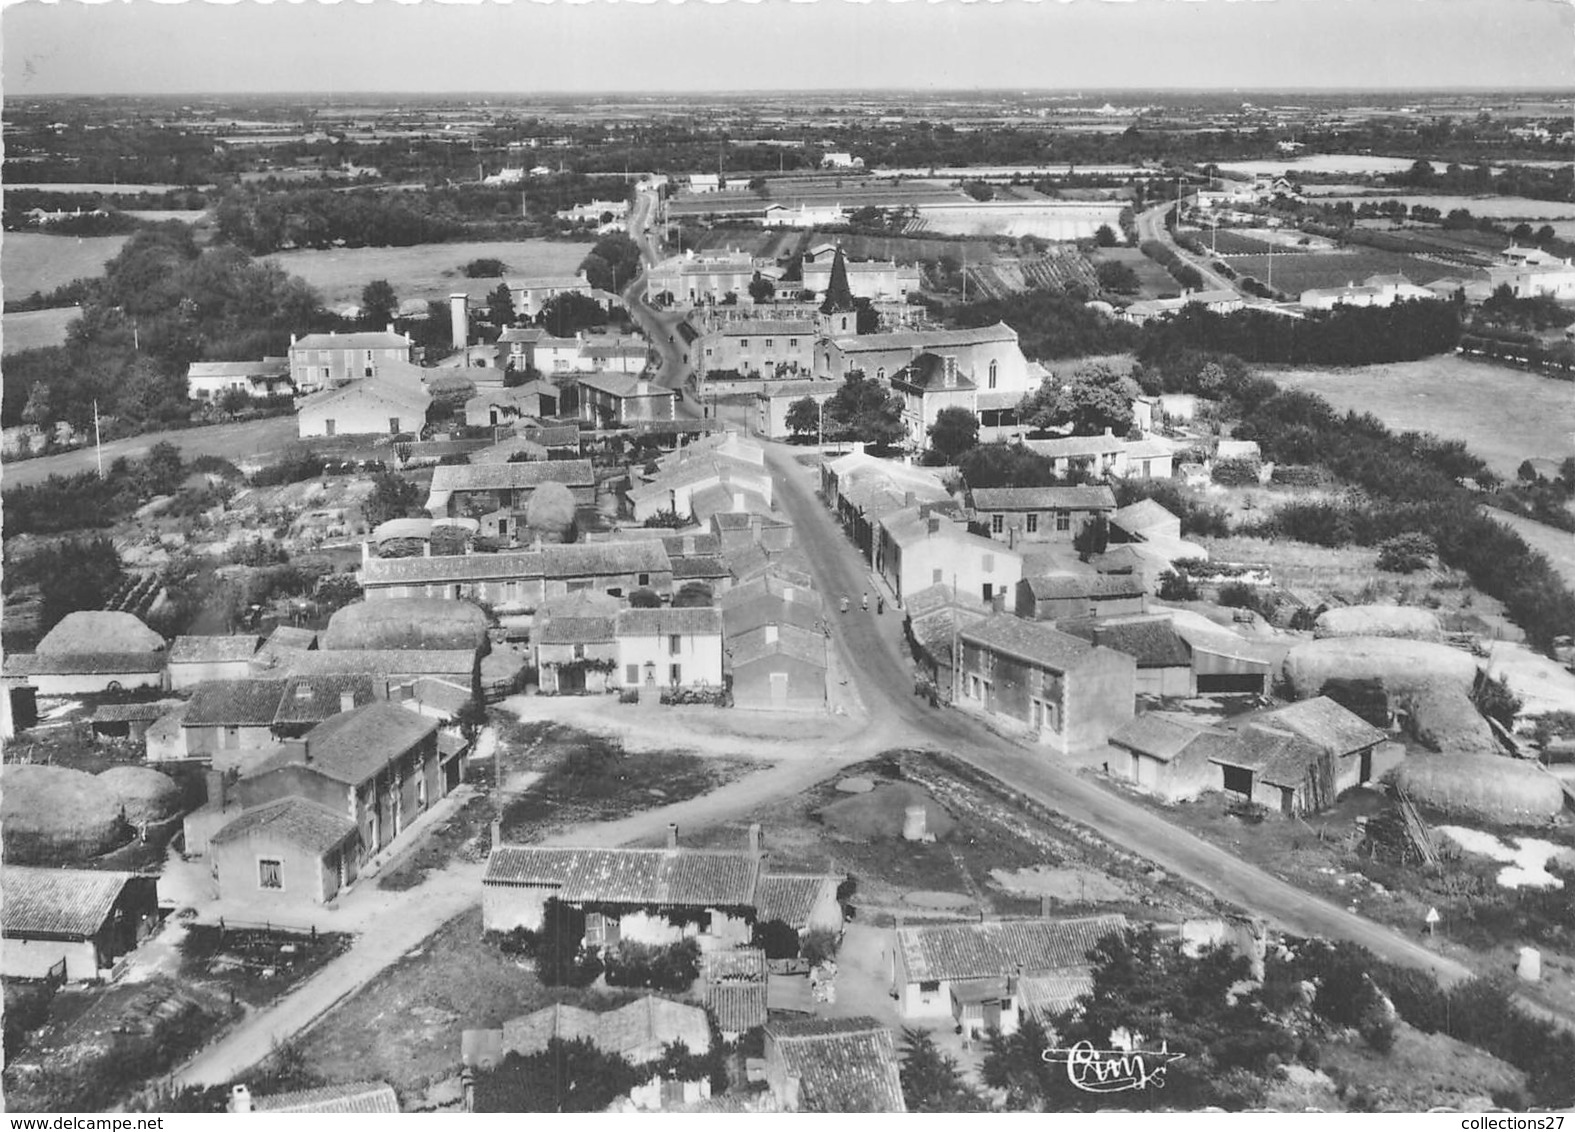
(99,631)
(407,623)
(1401,665)
(551,512)
(53,816)
(145,795)
(1489,789)
(1444,719)
(1403,621)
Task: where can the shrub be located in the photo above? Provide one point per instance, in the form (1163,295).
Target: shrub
(819,946)
(1241,472)
(1406,553)
(1176,586)
(645,599)
(671,968)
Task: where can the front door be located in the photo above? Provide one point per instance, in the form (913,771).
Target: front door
(779,688)
(571,679)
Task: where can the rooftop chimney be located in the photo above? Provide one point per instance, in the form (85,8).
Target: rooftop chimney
(738,501)
(672,835)
(934,523)
(754,837)
(771,634)
(216,788)
(497,832)
(787,593)
(951,371)
(391,328)
(689,545)
(240,1099)
(346,701)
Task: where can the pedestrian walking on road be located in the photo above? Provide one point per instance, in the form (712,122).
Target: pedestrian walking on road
(844,605)
(866,601)
(880,607)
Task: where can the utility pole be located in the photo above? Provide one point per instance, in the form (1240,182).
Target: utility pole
(956,647)
(98,442)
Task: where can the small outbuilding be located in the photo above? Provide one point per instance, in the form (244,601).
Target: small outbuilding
(71,925)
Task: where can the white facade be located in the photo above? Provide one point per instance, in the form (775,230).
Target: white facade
(669,660)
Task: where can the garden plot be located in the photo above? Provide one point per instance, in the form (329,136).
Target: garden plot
(1525,862)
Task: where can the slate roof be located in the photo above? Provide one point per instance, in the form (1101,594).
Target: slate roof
(1001,947)
(362,1096)
(496,477)
(669,622)
(234,703)
(791,897)
(928,372)
(577,631)
(57,903)
(843,1064)
(354,745)
(738,1007)
(452,568)
(1153,642)
(1155,736)
(312,699)
(640,1025)
(1044,499)
(661,877)
(311,826)
(1032,641)
(1052,587)
(213,650)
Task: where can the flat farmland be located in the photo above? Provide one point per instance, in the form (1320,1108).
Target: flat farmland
(1294,272)
(779,244)
(1497,207)
(1153,279)
(30,261)
(1502,414)
(30,330)
(428,271)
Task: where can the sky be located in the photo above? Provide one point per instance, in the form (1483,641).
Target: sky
(146,47)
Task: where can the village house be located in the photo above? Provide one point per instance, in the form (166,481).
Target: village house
(575,653)
(1374,291)
(322,361)
(833,1065)
(1053,597)
(1528,272)
(669,648)
(389,668)
(353,1097)
(72,925)
(867,279)
(927,385)
(194,660)
(736,465)
(988,356)
(308,700)
(935,615)
(226,717)
(971,973)
(510,580)
(1164,659)
(758,347)
(775,399)
(531,347)
(89,652)
(499,407)
(778,666)
(861,490)
(777,215)
(531,294)
(916,551)
(1041,514)
(1299,758)
(618,400)
(259,380)
(616,569)
(1147,310)
(503,491)
(705,277)
(290,849)
(365,408)
(1064,692)
(1164,757)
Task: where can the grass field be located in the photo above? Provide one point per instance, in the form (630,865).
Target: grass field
(904,249)
(1303,271)
(33,262)
(1154,279)
(1502,414)
(28,330)
(1499,208)
(430,271)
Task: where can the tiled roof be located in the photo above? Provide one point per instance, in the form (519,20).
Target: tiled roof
(82,663)
(291,636)
(1044,996)
(452,568)
(312,699)
(197,650)
(1001,947)
(234,703)
(131,713)
(843,1065)
(1074,447)
(700,542)
(1044,499)
(495,477)
(739,964)
(742,617)
(553,436)
(661,877)
(1032,641)
(699,566)
(624,385)
(57,903)
(369,340)
(794,390)
(1051,587)
(263,367)
(373,390)
(353,746)
(669,622)
(1278,757)
(761,327)
(940,597)
(645,1024)
(379,662)
(1152,642)
(1323,722)
(791,897)
(807,646)
(770,584)
(1144,515)
(362,1096)
(297,820)
(445,695)
(927,339)
(600,559)
(1155,736)
(738,1007)
(577,631)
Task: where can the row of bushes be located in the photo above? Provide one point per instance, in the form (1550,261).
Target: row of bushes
(1185,275)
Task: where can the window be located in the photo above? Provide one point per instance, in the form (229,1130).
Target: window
(631,674)
(393,425)
(997,524)
(880,374)
(270,873)
(792,343)
(579,652)
(768,343)
(708,351)
(935,577)
(1063,520)
(994,369)
(645,579)
(675,675)
(987,591)
(1032,523)
(369,357)
(1238,780)
(675,645)
(930,986)
(743,343)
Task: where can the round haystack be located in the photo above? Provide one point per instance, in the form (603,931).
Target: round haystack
(1399,664)
(51,815)
(551,511)
(407,623)
(1403,621)
(1486,789)
(145,795)
(99,631)
(882,812)
(1444,719)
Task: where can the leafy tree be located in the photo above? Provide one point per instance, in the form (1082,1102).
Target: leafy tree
(645,599)
(565,315)
(761,289)
(1116,276)
(954,432)
(567,1076)
(1106,237)
(392,497)
(1006,465)
(81,574)
(500,305)
(551,512)
(1495,699)
(803,416)
(693,595)
(1093,401)
(379,304)
(865,410)
(40,408)
(484,268)
(932,1080)
(1093,538)
(1406,553)
(613,262)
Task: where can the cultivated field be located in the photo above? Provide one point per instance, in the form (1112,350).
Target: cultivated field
(1295,272)
(101,188)
(779,244)
(30,261)
(1503,415)
(1499,208)
(430,271)
(1357,163)
(30,330)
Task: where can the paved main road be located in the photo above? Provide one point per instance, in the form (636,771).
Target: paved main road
(232,441)
(887,685)
(1151,226)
